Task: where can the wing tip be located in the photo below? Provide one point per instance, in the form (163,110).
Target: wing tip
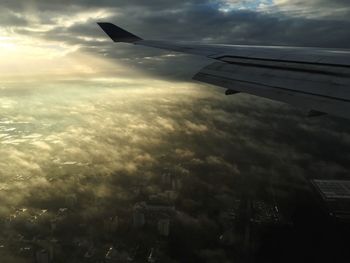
(118,34)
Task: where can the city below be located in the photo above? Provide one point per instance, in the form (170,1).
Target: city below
(166,226)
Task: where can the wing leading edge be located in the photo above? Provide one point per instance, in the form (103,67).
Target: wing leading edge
(311,78)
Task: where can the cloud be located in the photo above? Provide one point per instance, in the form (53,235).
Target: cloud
(334,10)
(165,20)
(128,130)
(73,27)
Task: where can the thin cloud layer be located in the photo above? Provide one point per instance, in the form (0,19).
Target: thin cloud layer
(91,146)
(129,129)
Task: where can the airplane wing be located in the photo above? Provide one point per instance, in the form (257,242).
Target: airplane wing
(312,78)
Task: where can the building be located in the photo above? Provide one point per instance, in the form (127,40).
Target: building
(138,216)
(171,181)
(335,196)
(167,179)
(115,255)
(111,224)
(152,258)
(164,227)
(264,213)
(42,256)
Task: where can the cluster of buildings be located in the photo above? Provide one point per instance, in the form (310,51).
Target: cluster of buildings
(159,213)
(264,213)
(158,216)
(49,235)
(241,221)
(334,198)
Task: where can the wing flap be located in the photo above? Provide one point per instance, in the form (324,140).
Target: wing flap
(295,88)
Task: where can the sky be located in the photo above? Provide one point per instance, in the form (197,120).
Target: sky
(74,106)
(58,38)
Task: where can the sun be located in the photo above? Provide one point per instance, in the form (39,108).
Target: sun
(28,58)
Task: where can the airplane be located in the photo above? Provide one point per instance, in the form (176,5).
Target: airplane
(316,79)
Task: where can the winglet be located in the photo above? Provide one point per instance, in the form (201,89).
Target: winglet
(118,34)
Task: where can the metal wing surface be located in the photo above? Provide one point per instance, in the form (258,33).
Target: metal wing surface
(312,78)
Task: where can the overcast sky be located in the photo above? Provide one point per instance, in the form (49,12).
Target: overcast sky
(61,37)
